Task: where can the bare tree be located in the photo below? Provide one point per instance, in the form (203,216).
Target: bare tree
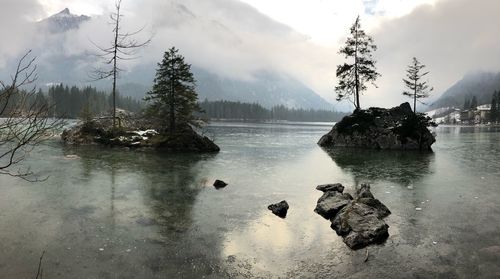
(123,47)
(24,121)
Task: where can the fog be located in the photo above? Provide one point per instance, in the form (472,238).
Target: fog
(235,40)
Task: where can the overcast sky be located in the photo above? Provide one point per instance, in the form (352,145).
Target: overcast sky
(297,37)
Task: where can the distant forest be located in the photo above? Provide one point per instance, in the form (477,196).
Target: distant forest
(71,102)
(217,110)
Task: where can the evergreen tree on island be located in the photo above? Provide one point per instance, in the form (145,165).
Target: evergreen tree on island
(353,76)
(173,97)
(417,89)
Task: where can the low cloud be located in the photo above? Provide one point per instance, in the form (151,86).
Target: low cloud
(233,39)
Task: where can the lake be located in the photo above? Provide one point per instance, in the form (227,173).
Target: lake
(105,213)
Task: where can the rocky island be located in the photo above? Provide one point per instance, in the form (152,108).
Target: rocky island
(101,132)
(398,128)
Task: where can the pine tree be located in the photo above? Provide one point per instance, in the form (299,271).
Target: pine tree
(417,89)
(494,107)
(473,103)
(354,76)
(466,104)
(173,97)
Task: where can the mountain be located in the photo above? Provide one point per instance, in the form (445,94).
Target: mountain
(267,88)
(479,84)
(63,21)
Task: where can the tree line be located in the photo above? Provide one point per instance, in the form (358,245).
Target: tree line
(71,102)
(255,111)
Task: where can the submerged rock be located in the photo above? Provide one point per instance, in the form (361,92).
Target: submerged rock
(397,128)
(218,184)
(358,221)
(280,209)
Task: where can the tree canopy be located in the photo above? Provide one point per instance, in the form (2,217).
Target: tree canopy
(360,69)
(173,99)
(417,89)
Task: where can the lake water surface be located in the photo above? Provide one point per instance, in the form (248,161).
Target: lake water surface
(122,214)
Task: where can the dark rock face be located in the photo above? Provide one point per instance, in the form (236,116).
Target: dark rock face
(218,184)
(337,187)
(97,132)
(397,128)
(358,221)
(279,209)
(331,203)
(360,226)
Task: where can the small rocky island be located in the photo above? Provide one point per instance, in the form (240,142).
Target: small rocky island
(101,132)
(398,128)
(165,124)
(358,220)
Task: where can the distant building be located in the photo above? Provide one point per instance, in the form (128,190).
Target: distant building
(479,115)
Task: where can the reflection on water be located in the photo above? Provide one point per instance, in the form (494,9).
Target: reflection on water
(365,165)
(122,214)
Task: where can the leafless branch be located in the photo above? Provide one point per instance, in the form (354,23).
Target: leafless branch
(24,121)
(123,47)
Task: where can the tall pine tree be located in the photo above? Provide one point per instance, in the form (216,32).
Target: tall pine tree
(173,97)
(360,69)
(473,103)
(494,112)
(417,89)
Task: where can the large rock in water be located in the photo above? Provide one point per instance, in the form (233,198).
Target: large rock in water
(397,128)
(97,132)
(358,221)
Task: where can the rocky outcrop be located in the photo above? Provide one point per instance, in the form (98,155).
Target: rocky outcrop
(97,132)
(279,209)
(359,220)
(397,128)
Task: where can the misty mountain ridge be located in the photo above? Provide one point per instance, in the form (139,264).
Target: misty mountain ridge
(479,84)
(268,88)
(63,21)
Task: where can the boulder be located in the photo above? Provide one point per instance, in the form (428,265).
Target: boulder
(359,220)
(331,203)
(397,128)
(218,184)
(279,209)
(360,226)
(337,187)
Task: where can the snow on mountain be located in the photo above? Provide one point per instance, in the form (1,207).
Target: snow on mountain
(268,88)
(63,21)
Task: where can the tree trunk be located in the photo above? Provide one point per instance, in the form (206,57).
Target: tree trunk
(115,57)
(356,76)
(172,105)
(415,99)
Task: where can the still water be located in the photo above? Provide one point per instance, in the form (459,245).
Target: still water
(124,214)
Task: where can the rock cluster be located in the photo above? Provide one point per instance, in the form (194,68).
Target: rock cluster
(358,220)
(397,128)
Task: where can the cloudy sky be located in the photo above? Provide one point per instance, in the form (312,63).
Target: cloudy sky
(301,38)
